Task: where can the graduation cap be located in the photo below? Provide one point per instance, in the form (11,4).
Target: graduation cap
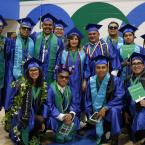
(64,68)
(93,27)
(101,59)
(2,21)
(76,32)
(137,56)
(143,37)
(26,22)
(48,17)
(60,24)
(128,28)
(32,63)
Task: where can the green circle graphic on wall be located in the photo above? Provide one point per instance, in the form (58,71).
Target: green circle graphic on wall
(94,13)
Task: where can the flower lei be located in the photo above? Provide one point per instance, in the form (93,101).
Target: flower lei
(22,84)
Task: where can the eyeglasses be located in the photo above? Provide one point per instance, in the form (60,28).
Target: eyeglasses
(63,77)
(113,27)
(26,28)
(136,64)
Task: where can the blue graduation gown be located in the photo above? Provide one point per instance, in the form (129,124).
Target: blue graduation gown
(107,51)
(46,56)
(54,111)
(138,115)
(14,69)
(76,78)
(116,45)
(35,109)
(9,43)
(114,104)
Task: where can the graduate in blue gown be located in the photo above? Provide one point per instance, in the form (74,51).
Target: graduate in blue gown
(106,94)
(2,59)
(59,29)
(62,107)
(6,45)
(113,38)
(128,32)
(21,50)
(25,121)
(47,46)
(136,110)
(74,56)
(97,46)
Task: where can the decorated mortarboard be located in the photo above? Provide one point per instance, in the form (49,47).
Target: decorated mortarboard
(26,22)
(101,59)
(60,24)
(93,27)
(76,32)
(137,56)
(128,28)
(2,21)
(63,68)
(48,17)
(32,63)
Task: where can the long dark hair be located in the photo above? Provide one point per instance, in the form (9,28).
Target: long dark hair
(40,79)
(70,37)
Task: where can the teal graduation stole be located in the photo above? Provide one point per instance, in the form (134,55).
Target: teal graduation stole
(81,54)
(18,56)
(98,93)
(59,98)
(2,61)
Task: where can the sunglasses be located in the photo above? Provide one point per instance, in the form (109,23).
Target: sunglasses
(113,27)
(63,77)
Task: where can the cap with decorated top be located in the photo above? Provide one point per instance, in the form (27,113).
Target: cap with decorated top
(32,63)
(64,68)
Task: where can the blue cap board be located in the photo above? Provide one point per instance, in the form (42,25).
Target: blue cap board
(93,27)
(32,63)
(60,24)
(101,59)
(26,22)
(75,31)
(48,17)
(128,28)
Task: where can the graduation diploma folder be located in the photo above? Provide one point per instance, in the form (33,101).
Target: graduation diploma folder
(137,92)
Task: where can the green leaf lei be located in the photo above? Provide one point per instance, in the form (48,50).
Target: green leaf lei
(23,85)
